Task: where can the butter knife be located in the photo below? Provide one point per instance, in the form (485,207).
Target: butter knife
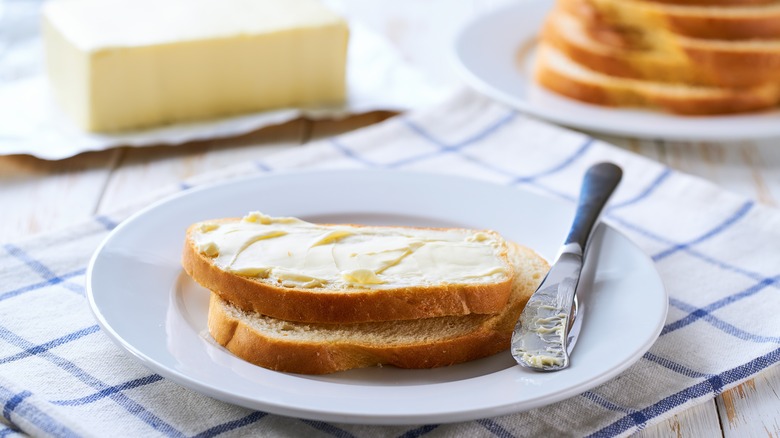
(541,338)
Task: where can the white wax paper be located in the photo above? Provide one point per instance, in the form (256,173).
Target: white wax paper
(31,122)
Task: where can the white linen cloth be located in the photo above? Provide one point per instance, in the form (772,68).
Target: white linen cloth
(715,251)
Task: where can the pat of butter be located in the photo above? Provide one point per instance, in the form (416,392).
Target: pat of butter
(124,64)
(295,253)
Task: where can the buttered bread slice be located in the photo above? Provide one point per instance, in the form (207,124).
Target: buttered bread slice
(294,270)
(421,343)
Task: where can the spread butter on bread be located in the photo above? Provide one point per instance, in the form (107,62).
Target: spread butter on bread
(311,348)
(293,270)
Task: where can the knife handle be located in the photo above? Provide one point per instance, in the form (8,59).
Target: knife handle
(597,186)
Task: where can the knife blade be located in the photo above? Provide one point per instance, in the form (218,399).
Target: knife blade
(541,340)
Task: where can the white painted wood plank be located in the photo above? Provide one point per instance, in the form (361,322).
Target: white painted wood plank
(763,160)
(752,409)
(144,171)
(38,196)
(698,421)
(747,168)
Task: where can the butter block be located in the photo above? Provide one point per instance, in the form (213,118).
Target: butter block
(124,64)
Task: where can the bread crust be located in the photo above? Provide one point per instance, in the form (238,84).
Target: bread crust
(715,2)
(608,92)
(347,306)
(488,334)
(724,20)
(690,61)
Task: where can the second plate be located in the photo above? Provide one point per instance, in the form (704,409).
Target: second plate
(495,51)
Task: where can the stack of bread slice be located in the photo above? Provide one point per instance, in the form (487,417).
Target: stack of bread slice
(694,57)
(298,297)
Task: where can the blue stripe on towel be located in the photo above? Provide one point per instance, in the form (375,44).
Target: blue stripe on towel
(231,425)
(106,221)
(328,428)
(74,370)
(666,363)
(41,269)
(479,136)
(419,431)
(645,193)
(103,393)
(712,385)
(41,285)
(16,405)
(572,158)
(731,220)
(38,349)
(495,428)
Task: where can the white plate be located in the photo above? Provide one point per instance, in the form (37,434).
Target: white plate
(144,301)
(494,52)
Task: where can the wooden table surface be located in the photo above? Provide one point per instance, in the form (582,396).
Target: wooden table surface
(37,196)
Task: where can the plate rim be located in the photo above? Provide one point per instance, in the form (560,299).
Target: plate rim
(696,130)
(210,389)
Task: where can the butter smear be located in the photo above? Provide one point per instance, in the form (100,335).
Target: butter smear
(295,253)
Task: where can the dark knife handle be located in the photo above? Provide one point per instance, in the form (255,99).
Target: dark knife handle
(597,186)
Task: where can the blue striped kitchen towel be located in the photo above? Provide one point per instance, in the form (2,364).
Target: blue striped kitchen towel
(715,251)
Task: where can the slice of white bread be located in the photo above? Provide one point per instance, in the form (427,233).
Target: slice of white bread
(422,343)
(715,2)
(555,71)
(719,20)
(296,271)
(647,53)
